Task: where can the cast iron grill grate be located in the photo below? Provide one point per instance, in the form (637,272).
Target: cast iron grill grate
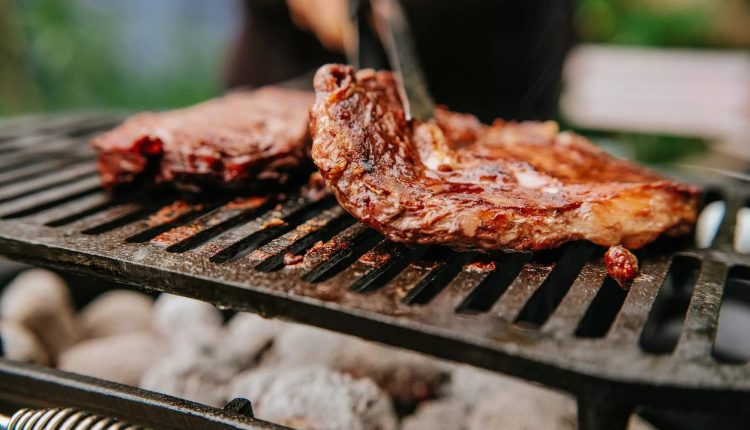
(553,317)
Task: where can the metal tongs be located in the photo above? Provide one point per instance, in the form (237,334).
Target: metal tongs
(397,44)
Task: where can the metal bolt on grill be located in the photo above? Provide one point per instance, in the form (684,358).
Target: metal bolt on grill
(553,317)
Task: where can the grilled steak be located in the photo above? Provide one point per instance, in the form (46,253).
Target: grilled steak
(227,142)
(454,181)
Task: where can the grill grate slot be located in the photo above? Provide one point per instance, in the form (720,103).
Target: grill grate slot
(24,142)
(170,217)
(548,296)
(34,170)
(116,216)
(73,210)
(8,139)
(11,164)
(417,274)
(248,238)
(44,150)
(702,317)
(339,253)
(448,301)
(57,178)
(382,264)
(629,323)
(63,125)
(321,228)
(731,345)
(203,229)
(520,290)
(600,315)
(43,200)
(437,279)
(484,296)
(578,299)
(90,128)
(666,319)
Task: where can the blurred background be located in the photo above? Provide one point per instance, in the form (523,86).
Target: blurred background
(81,54)
(671,75)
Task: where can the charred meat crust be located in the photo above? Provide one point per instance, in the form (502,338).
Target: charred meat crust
(454,181)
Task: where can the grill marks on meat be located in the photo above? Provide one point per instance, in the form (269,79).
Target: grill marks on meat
(454,181)
(226,142)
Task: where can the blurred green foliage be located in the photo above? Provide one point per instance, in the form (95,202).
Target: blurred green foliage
(641,22)
(646,148)
(658,149)
(655,149)
(70,59)
(634,23)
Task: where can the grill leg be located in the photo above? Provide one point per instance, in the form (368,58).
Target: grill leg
(601,411)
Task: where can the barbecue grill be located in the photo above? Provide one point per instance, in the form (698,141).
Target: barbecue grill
(22,383)
(552,317)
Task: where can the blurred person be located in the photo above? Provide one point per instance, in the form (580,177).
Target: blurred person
(496,59)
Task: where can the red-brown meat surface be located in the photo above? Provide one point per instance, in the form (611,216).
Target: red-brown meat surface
(454,181)
(229,141)
(621,265)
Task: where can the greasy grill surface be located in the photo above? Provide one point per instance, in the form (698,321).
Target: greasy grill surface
(553,317)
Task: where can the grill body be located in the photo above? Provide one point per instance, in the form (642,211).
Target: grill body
(552,318)
(27,385)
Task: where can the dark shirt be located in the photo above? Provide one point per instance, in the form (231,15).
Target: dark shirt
(493,58)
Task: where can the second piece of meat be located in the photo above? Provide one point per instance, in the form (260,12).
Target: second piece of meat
(228,142)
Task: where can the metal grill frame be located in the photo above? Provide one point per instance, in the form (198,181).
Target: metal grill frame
(609,376)
(26,385)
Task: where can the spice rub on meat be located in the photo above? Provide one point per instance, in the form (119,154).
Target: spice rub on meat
(454,181)
(229,142)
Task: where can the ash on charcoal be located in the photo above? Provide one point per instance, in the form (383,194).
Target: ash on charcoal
(507,403)
(184,321)
(200,372)
(443,414)
(471,384)
(316,398)
(408,378)
(523,407)
(192,373)
(40,301)
(117,312)
(247,337)
(480,399)
(123,358)
(20,344)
